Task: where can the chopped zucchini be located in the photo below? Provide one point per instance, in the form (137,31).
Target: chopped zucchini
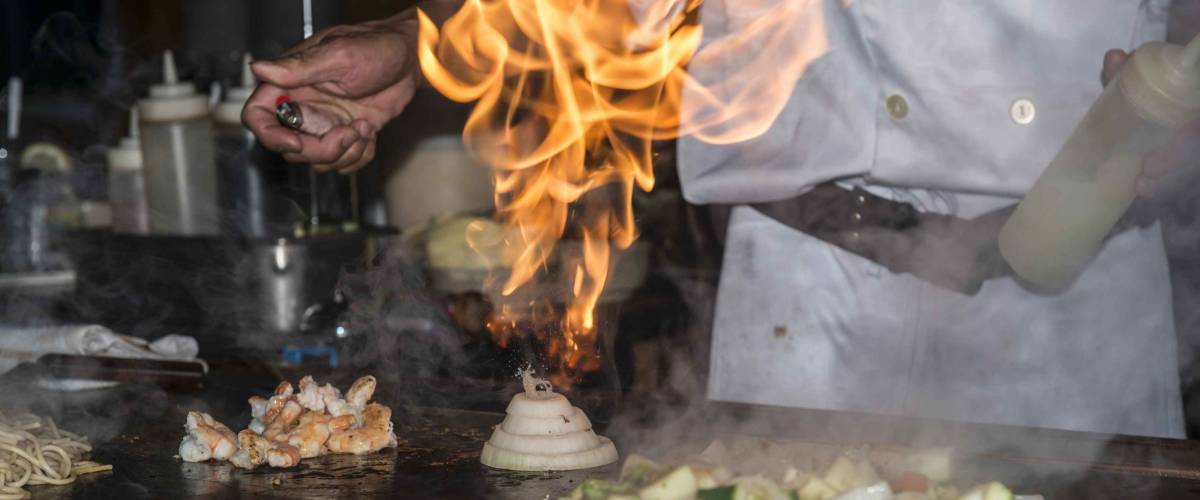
(847,473)
(934,463)
(944,492)
(817,489)
(638,470)
(711,476)
(877,491)
(591,489)
(841,474)
(757,488)
(719,493)
(988,491)
(677,484)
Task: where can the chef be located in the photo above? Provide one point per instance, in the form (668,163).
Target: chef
(916,116)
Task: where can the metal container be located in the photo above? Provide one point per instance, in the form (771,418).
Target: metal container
(281,282)
(294,283)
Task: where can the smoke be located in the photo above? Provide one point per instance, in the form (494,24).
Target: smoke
(397,329)
(678,419)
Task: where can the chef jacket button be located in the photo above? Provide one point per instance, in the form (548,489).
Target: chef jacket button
(1022,111)
(897,106)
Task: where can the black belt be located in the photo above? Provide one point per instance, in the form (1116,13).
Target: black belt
(947,251)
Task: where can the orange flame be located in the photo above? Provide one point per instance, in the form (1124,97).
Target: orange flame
(569,96)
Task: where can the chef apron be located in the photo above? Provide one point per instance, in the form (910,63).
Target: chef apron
(955,107)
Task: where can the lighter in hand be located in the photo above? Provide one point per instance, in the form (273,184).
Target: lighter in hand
(288,113)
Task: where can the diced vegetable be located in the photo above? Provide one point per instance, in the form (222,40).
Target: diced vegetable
(719,493)
(638,470)
(592,489)
(847,473)
(841,474)
(988,491)
(817,489)
(944,492)
(675,485)
(757,488)
(934,463)
(877,491)
(711,476)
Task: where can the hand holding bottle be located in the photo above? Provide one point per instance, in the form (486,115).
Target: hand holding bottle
(1178,158)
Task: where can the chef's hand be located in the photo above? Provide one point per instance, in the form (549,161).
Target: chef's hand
(1178,157)
(357,77)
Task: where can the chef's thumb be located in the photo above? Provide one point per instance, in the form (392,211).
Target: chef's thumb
(1113,61)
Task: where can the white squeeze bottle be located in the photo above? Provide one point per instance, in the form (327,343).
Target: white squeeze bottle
(126,184)
(178,159)
(1065,217)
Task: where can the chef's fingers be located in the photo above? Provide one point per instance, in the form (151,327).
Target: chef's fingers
(368,155)
(351,156)
(316,65)
(326,149)
(1180,152)
(1174,165)
(259,116)
(1113,60)
(367,131)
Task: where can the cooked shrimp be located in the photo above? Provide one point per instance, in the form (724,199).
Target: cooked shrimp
(283,394)
(361,392)
(278,428)
(310,394)
(340,408)
(206,439)
(283,455)
(241,460)
(339,424)
(252,450)
(356,399)
(310,434)
(258,406)
(375,434)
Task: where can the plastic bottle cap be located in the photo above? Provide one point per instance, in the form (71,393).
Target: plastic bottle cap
(1162,82)
(172,99)
(127,156)
(229,111)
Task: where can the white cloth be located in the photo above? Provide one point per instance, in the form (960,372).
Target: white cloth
(801,323)
(20,344)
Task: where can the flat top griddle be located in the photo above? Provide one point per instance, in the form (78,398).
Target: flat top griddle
(137,429)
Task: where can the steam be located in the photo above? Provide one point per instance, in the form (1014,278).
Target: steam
(399,330)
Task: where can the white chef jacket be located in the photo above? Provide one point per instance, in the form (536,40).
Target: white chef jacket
(956,107)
